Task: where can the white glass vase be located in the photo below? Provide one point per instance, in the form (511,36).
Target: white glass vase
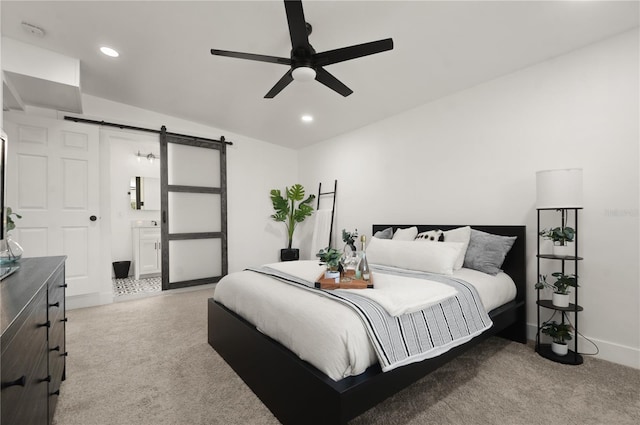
(10,251)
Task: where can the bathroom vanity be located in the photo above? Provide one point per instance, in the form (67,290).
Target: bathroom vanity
(147,248)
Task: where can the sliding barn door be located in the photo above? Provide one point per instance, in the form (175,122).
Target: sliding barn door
(194,210)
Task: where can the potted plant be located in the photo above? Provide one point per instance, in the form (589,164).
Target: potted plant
(291,214)
(562,238)
(560,333)
(560,287)
(10,250)
(331,258)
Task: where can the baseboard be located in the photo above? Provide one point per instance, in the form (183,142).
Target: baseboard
(88,300)
(609,351)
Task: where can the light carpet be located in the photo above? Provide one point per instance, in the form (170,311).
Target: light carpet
(148,362)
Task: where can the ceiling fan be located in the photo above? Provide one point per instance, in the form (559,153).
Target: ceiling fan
(305,63)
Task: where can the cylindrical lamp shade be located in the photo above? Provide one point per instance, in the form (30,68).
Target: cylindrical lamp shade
(559,188)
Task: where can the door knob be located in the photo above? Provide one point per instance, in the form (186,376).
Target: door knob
(93,218)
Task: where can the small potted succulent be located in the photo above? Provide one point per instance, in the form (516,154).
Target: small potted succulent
(291,214)
(331,258)
(560,287)
(562,238)
(560,333)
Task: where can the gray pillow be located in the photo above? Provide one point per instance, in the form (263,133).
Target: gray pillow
(384,234)
(486,251)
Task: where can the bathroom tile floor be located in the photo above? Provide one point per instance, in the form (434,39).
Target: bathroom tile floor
(129,286)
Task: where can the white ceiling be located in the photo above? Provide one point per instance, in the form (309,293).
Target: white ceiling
(440,47)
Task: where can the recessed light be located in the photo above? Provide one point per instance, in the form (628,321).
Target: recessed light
(306,118)
(109,51)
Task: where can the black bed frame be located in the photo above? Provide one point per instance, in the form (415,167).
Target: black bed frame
(298,393)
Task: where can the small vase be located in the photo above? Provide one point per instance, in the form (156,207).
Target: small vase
(350,261)
(560,300)
(559,348)
(10,251)
(566,250)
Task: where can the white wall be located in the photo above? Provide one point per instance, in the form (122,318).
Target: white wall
(254,167)
(471,158)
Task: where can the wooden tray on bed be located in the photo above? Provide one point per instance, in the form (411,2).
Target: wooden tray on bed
(347,281)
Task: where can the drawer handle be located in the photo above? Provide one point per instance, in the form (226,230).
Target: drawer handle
(56,348)
(64,320)
(64,285)
(56,304)
(56,392)
(65,354)
(21,381)
(47,379)
(47,324)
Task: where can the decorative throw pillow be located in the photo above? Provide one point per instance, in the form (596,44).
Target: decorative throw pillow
(407,234)
(427,257)
(460,234)
(384,234)
(486,251)
(431,236)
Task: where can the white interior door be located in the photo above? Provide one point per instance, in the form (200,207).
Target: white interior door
(53,182)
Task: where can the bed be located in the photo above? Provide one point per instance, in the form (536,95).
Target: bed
(297,392)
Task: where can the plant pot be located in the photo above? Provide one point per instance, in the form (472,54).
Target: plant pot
(566,250)
(289,254)
(560,348)
(560,300)
(330,274)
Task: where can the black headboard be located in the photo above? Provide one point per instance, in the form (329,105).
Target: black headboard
(515,264)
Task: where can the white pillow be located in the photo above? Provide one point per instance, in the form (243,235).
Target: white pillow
(407,234)
(460,234)
(427,257)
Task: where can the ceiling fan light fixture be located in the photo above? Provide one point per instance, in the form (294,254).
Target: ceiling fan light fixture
(304,74)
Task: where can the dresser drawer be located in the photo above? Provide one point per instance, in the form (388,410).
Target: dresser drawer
(24,365)
(56,289)
(30,405)
(57,352)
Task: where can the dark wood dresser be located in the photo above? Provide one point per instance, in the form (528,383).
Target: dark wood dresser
(32,320)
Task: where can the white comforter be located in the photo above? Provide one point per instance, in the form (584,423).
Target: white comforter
(325,333)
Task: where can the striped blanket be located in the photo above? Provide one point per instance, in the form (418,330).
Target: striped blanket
(411,337)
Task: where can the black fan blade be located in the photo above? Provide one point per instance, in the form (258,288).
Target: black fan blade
(332,82)
(282,83)
(340,55)
(297,24)
(251,56)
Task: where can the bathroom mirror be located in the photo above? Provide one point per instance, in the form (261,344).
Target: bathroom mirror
(145,193)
